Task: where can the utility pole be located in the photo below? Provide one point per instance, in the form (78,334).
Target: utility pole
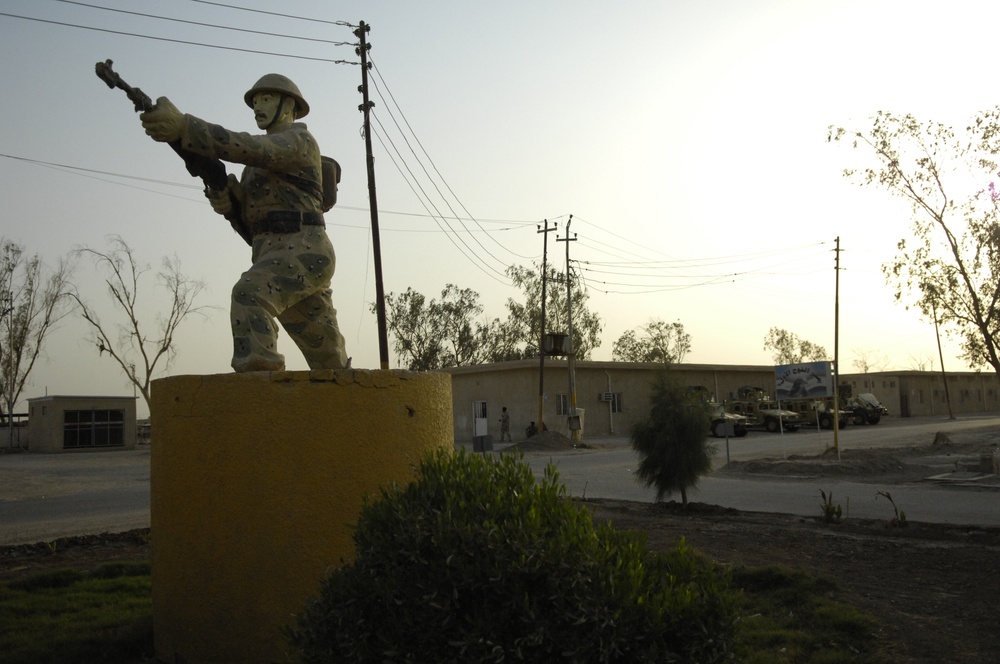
(571,358)
(541,332)
(365,108)
(836,348)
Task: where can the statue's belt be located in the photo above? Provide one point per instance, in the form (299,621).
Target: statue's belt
(287,221)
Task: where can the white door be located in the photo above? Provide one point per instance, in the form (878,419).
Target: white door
(480,423)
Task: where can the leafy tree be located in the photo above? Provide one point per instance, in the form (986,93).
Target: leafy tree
(527,313)
(663,342)
(138,352)
(788,348)
(673,441)
(950,264)
(32,301)
(440,333)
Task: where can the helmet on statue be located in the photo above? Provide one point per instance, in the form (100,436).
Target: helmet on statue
(282,85)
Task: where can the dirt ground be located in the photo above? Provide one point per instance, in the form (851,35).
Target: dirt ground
(933,587)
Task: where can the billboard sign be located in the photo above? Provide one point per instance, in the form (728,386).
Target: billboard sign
(809,380)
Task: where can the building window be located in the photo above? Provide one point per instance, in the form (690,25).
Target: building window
(93,428)
(616,402)
(562,404)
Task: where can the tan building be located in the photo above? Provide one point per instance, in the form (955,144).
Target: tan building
(81,424)
(924,393)
(614,395)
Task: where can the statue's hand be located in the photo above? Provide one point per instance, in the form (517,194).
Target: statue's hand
(164,122)
(220,200)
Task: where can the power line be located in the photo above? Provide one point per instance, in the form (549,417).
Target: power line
(430,179)
(519,223)
(453,237)
(179,41)
(261,11)
(416,183)
(206,25)
(429,159)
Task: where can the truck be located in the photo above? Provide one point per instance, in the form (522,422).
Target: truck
(762,413)
(866,409)
(819,412)
(720,421)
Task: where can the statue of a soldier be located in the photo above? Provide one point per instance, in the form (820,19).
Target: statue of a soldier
(280,204)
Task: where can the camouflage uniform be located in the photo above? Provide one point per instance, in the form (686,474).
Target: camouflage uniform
(293,262)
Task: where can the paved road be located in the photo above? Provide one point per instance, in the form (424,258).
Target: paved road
(607,472)
(45,496)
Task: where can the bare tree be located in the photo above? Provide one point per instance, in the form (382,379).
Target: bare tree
(921,362)
(33,301)
(138,352)
(867,359)
(949,268)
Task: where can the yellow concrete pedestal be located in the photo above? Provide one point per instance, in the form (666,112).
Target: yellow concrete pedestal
(256,481)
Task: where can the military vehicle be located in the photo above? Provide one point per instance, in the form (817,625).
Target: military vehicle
(866,409)
(719,420)
(819,411)
(723,422)
(762,413)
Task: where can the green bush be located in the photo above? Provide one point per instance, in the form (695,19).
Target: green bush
(476,562)
(672,442)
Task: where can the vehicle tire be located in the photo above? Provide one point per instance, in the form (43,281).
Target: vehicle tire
(860,417)
(772,425)
(741,432)
(874,418)
(718,429)
(825,421)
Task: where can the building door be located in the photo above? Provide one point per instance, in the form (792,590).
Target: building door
(480,423)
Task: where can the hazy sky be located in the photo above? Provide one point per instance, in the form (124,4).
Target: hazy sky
(687,139)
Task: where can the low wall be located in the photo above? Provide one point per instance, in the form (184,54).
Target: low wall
(256,479)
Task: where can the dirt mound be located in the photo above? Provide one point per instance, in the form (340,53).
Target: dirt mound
(83,552)
(899,464)
(544,442)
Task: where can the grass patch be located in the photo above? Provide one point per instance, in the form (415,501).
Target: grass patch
(105,616)
(790,616)
(73,617)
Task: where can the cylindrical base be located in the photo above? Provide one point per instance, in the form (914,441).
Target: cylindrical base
(256,480)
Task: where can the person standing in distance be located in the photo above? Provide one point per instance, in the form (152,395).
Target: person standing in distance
(505,425)
(281,199)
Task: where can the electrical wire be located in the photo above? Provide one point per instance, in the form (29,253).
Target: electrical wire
(425,153)
(181,41)
(207,25)
(453,237)
(261,11)
(423,191)
(519,224)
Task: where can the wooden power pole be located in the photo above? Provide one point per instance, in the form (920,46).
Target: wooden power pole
(541,332)
(365,108)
